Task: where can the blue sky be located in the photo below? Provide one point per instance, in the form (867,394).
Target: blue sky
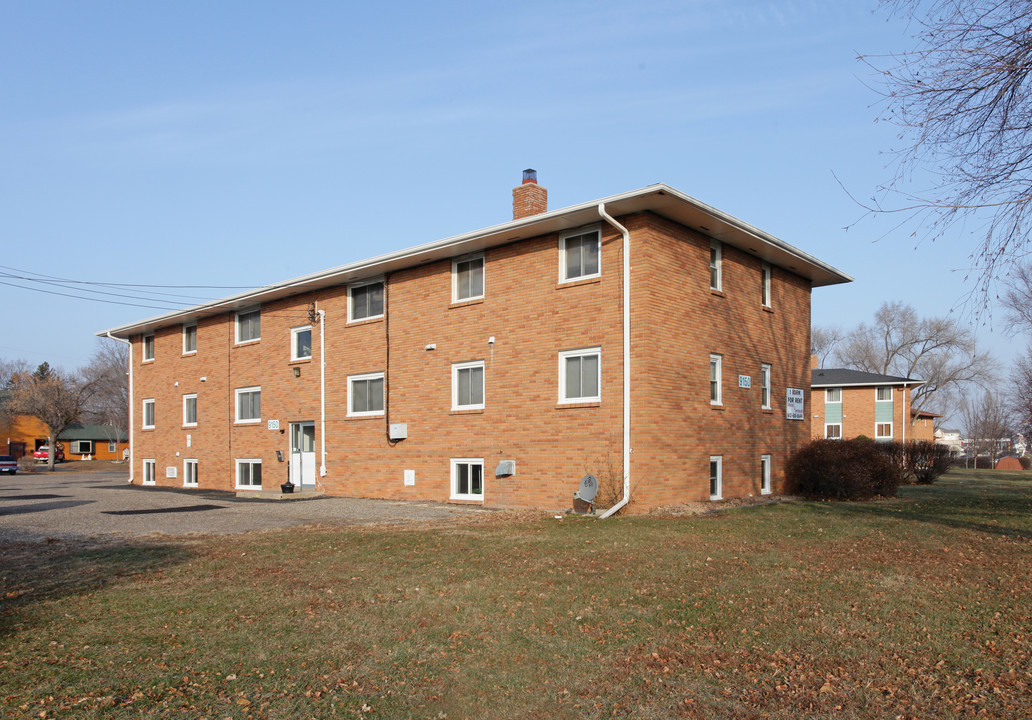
(235,144)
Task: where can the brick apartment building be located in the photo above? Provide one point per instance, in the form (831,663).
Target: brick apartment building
(647,338)
(850,403)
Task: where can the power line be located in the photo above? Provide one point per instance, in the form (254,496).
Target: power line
(80,297)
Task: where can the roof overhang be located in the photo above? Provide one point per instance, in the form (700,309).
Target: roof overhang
(887,383)
(660,199)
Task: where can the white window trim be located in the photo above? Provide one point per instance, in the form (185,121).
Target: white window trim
(187,326)
(584,352)
(455,277)
(765,488)
(143,415)
(827,396)
(143,351)
(236,473)
(719,459)
(718,262)
(112,446)
(294,332)
(838,425)
(186,475)
(455,495)
(76,447)
(185,398)
(236,325)
(456,367)
(597,229)
(366,376)
(892,431)
(766,381)
(765,274)
(719,359)
(883,387)
(236,405)
(149,462)
(351,304)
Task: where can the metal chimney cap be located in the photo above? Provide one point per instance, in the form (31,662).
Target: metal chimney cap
(530,176)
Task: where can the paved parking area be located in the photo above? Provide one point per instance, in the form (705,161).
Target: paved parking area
(101,505)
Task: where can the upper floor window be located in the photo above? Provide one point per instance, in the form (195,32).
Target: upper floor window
(468,386)
(189,339)
(365,394)
(765,284)
(301,343)
(579,255)
(148,348)
(365,301)
(765,386)
(249,404)
(715,266)
(833,395)
(468,279)
(190,409)
(715,369)
(248,325)
(883,394)
(580,375)
(148,413)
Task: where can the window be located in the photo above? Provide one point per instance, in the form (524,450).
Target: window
(833,395)
(249,473)
(715,361)
(190,409)
(468,279)
(365,301)
(765,284)
(112,447)
(249,405)
(148,348)
(190,473)
(248,325)
(467,479)
(82,447)
(765,474)
(301,343)
(580,375)
(833,431)
(189,339)
(365,395)
(715,270)
(883,394)
(716,479)
(468,386)
(579,256)
(765,386)
(883,431)
(149,474)
(148,413)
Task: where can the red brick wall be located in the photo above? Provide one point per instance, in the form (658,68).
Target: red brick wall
(676,323)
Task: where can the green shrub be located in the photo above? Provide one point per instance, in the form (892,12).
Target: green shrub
(855,469)
(926,461)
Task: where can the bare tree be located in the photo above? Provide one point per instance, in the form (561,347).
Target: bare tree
(54,398)
(109,402)
(988,424)
(1021,393)
(824,340)
(939,351)
(962,100)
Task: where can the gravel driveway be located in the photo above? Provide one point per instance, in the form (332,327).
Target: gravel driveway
(101,505)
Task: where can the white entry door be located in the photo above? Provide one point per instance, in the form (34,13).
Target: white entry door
(302,454)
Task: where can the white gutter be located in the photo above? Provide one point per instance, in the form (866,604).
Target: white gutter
(322,388)
(132,446)
(626,362)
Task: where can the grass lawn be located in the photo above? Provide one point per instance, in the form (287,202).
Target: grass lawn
(916,608)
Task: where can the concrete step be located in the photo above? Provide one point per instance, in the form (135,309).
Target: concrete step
(298,494)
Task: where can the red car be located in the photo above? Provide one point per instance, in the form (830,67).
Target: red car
(43,454)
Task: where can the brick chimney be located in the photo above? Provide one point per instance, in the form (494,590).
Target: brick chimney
(529,198)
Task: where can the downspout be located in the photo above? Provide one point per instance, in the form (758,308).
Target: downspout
(626,362)
(132,445)
(322,388)
(903,415)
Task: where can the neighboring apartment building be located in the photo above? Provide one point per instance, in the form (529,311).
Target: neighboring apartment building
(647,338)
(850,403)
